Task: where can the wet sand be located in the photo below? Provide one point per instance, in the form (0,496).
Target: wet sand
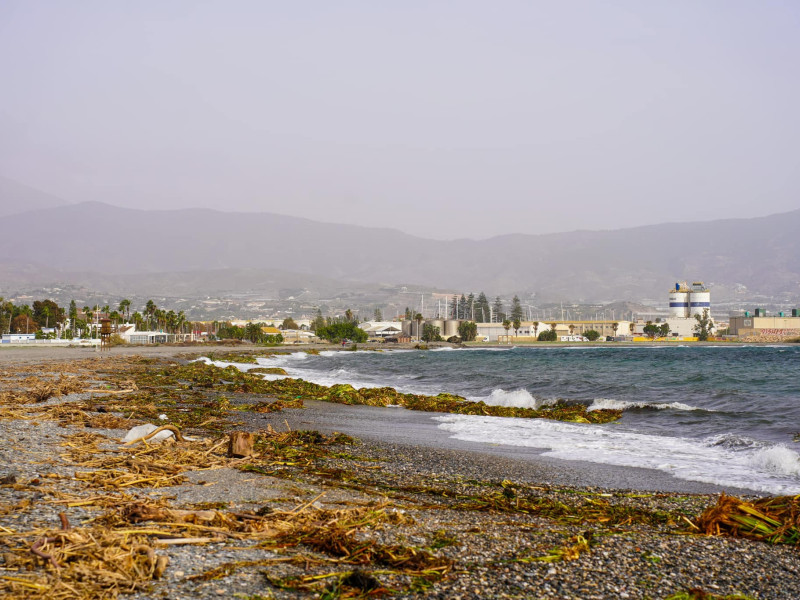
(418,430)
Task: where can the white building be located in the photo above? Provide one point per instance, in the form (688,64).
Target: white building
(131,335)
(381,328)
(18,338)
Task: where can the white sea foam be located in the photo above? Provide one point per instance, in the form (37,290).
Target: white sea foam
(609,403)
(514,399)
(779,460)
(774,470)
(732,441)
(346,353)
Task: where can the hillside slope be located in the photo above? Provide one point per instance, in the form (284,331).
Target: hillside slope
(761,253)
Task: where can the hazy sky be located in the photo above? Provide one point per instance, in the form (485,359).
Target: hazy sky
(443,119)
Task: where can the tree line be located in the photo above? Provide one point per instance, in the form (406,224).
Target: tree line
(81,322)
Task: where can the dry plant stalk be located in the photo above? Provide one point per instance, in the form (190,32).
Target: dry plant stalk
(79,563)
(774,519)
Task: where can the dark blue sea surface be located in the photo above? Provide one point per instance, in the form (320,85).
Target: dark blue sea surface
(720,414)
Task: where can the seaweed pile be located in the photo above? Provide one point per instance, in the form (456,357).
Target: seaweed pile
(292,390)
(773,519)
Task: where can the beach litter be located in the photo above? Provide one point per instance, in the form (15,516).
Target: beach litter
(148,432)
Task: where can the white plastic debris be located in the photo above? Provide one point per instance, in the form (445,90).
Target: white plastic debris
(142,430)
(163,417)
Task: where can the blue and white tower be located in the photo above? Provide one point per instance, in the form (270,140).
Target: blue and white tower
(679,301)
(699,299)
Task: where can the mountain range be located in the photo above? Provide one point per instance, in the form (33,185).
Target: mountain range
(17,198)
(200,250)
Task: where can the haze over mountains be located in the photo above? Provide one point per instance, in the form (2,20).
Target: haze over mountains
(16,198)
(197,251)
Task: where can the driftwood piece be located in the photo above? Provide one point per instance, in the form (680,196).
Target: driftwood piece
(240,444)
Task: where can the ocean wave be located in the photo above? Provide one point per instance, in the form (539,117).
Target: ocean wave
(777,459)
(732,441)
(771,469)
(348,352)
(515,399)
(609,403)
(280,360)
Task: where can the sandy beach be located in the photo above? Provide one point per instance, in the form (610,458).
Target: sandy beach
(472,521)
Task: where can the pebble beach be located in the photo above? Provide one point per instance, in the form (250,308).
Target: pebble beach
(391,508)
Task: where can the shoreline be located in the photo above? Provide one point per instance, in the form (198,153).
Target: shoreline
(406,509)
(412,429)
(417,430)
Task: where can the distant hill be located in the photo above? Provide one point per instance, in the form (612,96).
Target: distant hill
(760,253)
(17,198)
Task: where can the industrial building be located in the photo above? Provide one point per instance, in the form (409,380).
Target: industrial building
(685,303)
(760,324)
(528,330)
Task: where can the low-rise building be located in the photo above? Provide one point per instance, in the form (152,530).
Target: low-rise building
(381,329)
(131,335)
(18,338)
(780,326)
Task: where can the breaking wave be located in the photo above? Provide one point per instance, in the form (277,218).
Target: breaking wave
(515,399)
(608,403)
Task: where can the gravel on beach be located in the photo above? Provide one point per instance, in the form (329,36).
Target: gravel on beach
(425,485)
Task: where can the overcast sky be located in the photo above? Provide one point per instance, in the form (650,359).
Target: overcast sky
(442,119)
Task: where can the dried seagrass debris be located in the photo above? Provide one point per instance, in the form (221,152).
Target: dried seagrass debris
(577,545)
(773,519)
(38,389)
(78,563)
(700,594)
(151,466)
(75,413)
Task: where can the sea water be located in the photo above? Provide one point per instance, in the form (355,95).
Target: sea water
(725,415)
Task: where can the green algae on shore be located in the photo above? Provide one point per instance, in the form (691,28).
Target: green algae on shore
(290,393)
(446,403)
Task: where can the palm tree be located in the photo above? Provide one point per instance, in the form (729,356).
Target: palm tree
(614,327)
(171,321)
(161,318)
(419,318)
(571,329)
(150,310)
(7,307)
(535,328)
(125,308)
(506,326)
(181,320)
(517,322)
